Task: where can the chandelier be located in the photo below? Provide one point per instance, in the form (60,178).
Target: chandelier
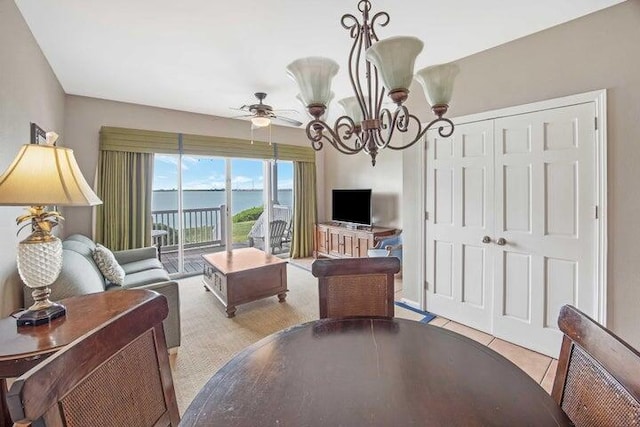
(367,126)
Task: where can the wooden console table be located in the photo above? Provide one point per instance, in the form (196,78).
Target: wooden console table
(338,241)
(244,275)
(21,348)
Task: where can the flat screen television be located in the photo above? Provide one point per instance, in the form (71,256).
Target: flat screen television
(351,206)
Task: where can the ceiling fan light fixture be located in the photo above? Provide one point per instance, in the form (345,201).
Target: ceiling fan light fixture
(260,122)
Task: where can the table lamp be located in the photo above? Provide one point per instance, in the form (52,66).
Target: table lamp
(41,176)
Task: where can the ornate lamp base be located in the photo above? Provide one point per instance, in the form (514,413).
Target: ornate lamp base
(41,316)
(39,264)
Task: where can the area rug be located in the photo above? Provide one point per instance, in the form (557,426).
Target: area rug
(428,317)
(210,339)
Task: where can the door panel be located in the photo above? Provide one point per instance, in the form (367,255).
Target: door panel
(349,245)
(473,283)
(362,244)
(336,243)
(460,182)
(517,285)
(528,179)
(544,211)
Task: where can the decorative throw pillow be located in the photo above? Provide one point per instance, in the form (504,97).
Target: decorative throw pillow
(106,262)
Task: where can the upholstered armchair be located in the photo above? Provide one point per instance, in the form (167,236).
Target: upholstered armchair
(387,247)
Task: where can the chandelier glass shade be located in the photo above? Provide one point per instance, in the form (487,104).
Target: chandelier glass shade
(376,68)
(314,75)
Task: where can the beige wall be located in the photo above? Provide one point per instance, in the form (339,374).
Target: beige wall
(29,92)
(355,171)
(598,51)
(84,117)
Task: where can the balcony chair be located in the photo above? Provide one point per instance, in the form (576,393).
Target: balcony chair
(277,230)
(356,286)
(597,381)
(116,375)
(256,234)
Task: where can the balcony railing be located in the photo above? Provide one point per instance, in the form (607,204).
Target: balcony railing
(201,227)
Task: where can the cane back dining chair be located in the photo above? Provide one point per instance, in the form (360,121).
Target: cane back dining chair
(116,375)
(597,382)
(356,286)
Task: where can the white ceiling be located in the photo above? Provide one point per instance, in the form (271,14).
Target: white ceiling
(205,56)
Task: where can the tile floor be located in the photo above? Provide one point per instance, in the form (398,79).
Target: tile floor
(538,366)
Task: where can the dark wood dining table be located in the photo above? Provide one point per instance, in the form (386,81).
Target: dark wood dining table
(371,372)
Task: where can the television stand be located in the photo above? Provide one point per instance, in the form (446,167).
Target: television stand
(356,227)
(340,241)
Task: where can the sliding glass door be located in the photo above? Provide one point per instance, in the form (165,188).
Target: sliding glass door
(190,205)
(166,221)
(247,201)
(203,209)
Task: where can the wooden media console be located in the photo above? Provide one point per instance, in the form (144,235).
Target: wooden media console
(339,241)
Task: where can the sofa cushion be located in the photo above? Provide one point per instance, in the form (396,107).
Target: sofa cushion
(131,255)
(80,248)
(145,277)
(79,276)
(108,265)
(82,239)
(136,266)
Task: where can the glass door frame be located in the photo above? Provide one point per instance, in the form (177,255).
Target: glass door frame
(267,200)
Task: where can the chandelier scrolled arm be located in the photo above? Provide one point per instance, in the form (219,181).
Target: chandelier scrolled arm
(345,129)
(375,67)
(380,15)
(353,27)
(445,130)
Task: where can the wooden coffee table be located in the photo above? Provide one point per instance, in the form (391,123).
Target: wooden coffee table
(244,275)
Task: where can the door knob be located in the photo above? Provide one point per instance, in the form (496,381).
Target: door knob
(501,241)
(486,239)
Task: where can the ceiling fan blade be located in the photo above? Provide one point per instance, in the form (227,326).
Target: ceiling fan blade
(243,108)
(286,111)
(287,120)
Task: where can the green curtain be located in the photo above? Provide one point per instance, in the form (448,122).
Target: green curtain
(123,221)
(294,153)
(149,141)
(304,209)
(138,140)
(125,175)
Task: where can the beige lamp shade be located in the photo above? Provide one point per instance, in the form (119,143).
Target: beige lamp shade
(43,175)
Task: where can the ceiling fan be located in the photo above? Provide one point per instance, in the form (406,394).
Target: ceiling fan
(262,114)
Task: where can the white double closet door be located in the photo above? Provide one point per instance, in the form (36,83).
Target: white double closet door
(510,230)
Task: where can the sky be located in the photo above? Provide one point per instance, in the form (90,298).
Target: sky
(203,173)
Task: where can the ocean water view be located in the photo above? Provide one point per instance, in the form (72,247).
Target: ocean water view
(166,200)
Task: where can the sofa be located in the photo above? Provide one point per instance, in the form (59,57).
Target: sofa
(80,275)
